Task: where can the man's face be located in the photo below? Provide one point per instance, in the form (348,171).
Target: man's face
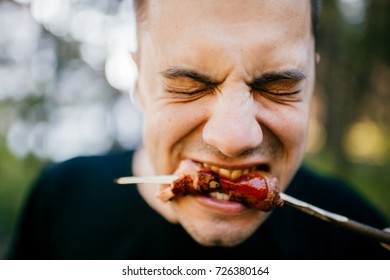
(225,83)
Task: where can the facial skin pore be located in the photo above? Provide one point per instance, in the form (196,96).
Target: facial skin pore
(227,83)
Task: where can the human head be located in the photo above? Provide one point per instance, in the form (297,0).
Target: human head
(227,83)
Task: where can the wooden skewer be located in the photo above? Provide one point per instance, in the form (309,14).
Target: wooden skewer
(307,208)
(342,221)
(164,179)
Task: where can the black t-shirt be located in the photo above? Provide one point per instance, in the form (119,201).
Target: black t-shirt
(75,211)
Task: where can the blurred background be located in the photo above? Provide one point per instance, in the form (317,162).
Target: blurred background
(66,74)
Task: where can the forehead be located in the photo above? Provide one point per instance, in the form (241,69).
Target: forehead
(175,27)
(182,14)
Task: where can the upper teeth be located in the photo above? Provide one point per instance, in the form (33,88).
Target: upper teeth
(229,173)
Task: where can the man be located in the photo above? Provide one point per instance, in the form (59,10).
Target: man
(226,84)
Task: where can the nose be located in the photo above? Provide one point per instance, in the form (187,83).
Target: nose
(232,127)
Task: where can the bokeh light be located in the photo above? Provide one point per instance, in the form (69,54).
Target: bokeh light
(66,72)
(366,142)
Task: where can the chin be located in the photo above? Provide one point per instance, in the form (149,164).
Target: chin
(219,234)
(211,229)
(219,241)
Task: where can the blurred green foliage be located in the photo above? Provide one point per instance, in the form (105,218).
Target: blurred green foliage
(372,181)
(353,91)
(15,176)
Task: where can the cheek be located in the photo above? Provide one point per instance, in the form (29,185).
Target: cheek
(296,131)
(165,127)
(294,141)
(290,126)
(297,138)
(170,122)
(291,130)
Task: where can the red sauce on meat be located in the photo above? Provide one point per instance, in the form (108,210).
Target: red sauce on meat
(252,184)
(251,189)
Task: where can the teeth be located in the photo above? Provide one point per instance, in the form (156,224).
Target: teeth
(220,196)
(235,174)
(231,174)
(224,172)
(215,169)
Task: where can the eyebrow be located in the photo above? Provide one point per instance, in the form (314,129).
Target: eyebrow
(263,79)
(178,72)
(291,75)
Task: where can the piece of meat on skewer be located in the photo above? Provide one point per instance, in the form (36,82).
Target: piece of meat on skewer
(256,189)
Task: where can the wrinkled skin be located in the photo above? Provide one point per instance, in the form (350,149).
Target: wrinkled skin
(227,83)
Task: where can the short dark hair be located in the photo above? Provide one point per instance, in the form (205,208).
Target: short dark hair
(140,7)
(315,17)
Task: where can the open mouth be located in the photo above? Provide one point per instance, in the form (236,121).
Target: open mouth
(230,174)
(252,186)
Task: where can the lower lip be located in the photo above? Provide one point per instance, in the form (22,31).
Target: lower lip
(222,206)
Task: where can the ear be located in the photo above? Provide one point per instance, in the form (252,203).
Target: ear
(318,58)
(135,57)
(134,93)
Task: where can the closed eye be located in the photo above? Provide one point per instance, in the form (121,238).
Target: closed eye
(184,81)
(279,84)
(182,86)
(283,87)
